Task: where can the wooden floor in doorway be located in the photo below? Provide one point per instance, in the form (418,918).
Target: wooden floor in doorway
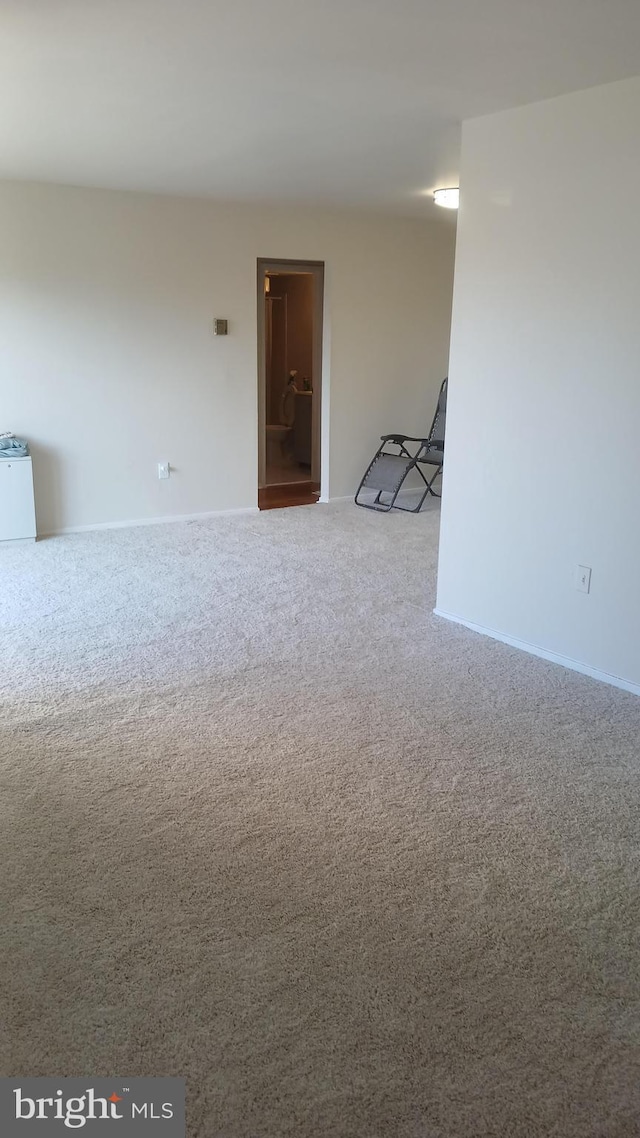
(288,494)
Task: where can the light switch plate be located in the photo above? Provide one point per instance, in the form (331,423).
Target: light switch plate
(583,578)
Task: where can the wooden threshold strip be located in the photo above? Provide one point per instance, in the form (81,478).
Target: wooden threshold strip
(288,494)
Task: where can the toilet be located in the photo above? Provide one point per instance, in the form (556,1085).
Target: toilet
(278,437)
(279,434)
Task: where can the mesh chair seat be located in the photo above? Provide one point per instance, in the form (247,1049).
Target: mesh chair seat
(387,472)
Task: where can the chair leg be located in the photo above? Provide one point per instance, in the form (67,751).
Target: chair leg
(429,484)
(377,505)
(415,509)
(431,490)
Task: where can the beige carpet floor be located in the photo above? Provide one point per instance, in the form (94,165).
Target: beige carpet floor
(268,823)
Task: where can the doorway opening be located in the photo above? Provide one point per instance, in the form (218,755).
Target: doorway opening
(290,305)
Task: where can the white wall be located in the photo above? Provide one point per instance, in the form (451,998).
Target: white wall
(108,363)
(543,444)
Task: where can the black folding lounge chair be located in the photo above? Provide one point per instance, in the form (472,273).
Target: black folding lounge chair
(389,467)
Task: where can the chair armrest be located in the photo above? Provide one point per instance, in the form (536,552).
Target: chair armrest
(399,439)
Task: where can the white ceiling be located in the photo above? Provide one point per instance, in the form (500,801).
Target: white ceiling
(347,102)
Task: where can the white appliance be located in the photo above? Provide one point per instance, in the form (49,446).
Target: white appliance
(17,503)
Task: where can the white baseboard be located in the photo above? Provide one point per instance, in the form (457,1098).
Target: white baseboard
(544,653)
(350,497)
(164,520)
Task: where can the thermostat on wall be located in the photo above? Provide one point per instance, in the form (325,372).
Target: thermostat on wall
(220,327)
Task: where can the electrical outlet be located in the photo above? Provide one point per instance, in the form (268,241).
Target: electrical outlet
(583,578)
(164,470)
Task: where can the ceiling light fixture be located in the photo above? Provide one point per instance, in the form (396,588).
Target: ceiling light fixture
(448,198)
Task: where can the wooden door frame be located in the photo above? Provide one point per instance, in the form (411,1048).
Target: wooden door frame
(316,270)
